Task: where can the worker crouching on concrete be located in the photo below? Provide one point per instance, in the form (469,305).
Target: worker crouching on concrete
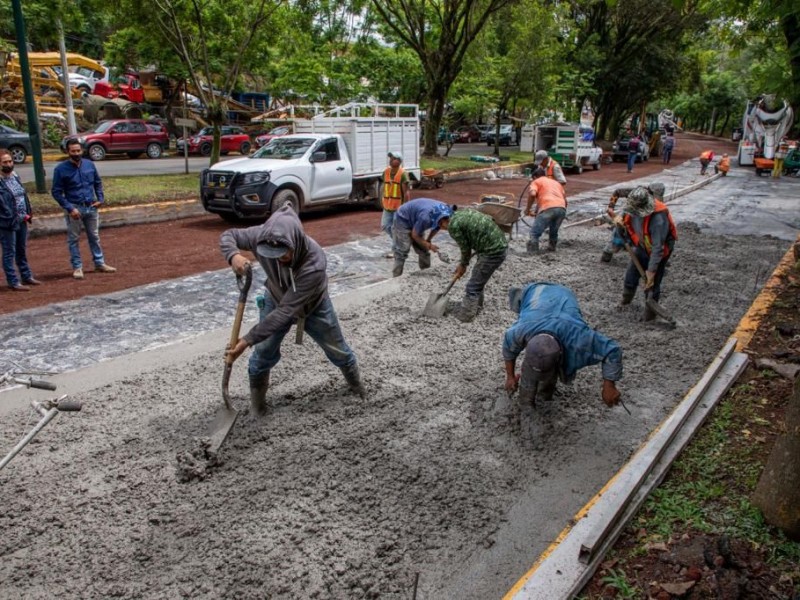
(557,343)
(412,220)
(297,292)
(723,166)
(475,233)
(649,225)
(616,243)
(705,159)
(551,210)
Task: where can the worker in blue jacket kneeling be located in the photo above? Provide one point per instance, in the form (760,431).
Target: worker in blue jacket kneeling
(557,343)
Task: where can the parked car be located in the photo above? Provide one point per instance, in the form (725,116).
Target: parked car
(133,137)
(16,142)
(620,149)
(484,129)
(444,136)
(468,134)
(506,136)
(263,140)
(232,139)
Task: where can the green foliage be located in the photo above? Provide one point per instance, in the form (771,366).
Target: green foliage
(617,580)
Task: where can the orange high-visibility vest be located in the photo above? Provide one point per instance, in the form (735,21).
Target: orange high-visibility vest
(725,164)
(551,167)
(648,246)
(392,190)
(707,155)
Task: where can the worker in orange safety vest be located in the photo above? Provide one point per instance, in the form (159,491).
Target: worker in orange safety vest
(647,223)
(705,159)
(395,192)
(723,166)
(551,167)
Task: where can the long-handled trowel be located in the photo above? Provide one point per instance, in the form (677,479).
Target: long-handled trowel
(648,299)
(225,416)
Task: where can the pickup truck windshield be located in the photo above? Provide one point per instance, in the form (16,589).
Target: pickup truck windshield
(285,149)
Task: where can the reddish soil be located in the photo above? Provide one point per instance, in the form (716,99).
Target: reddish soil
(153,252)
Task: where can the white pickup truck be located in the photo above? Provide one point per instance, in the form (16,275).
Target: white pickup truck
(573,146)
(336,157)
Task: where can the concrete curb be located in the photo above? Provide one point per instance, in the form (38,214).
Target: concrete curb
(125,215)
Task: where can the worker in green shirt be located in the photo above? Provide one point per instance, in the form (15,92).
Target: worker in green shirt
(475,233)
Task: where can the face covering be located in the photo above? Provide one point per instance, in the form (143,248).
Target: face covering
(75,159)
(7,168)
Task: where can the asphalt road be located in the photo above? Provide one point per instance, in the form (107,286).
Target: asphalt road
(122,165)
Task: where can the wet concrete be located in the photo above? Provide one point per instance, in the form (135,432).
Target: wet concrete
(332,496)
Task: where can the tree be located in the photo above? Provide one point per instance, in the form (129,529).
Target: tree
(211,39)
(440,33)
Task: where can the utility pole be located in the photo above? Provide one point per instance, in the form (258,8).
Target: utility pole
(30,104)
(73,129)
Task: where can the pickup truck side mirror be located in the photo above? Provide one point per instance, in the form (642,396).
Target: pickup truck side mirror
(320,156)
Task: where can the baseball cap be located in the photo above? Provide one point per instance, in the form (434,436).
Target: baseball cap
(541,155)
(396,155)
(271,249)
(541,362)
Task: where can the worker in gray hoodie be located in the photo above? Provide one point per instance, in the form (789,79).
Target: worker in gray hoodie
(297,292)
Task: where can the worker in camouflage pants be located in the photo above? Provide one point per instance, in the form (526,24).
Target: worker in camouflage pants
(475,233)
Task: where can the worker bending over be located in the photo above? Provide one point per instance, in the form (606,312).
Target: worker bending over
(412,220)
(475,233)
(296,292)
(557,342)
(616,243)
(551,209)
(649,225)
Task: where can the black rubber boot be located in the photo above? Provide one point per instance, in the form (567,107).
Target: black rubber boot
(258,393)
(551,246)
(627,296)
(398,268)
(425,261)
(353,378)
(532,248)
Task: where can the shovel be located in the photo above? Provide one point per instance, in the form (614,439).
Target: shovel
(226,415)
(649,301)
(437,303)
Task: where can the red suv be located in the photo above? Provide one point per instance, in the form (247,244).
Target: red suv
(232,139)
(133,137)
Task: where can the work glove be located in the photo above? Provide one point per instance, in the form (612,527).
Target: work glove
(651,280)
(610,394)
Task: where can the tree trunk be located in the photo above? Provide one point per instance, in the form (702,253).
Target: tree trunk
(710,130)
(777,494)
(434,120)
(724,124)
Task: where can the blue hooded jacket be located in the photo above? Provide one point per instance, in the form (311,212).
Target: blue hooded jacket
(552,308)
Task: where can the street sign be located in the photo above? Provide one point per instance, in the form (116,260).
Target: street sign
(185,122)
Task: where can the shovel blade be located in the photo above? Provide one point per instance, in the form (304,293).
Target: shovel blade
(656,308)
(436,306)
(221,426)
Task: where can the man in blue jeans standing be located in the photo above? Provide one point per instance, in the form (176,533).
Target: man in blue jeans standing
(79,191)
(297,293)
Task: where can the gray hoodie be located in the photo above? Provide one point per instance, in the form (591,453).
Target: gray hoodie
(297,289)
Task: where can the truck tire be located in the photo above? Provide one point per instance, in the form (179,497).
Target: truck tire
(284,196)
(578,169)
(97,152)
(596,166)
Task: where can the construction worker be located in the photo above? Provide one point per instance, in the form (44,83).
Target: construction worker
(649,225)
(705,159)
(551,210)
(557,342)
(616,243)
(412,220)
(475,233)
(723,166)
(395,192)
(551,168)
(780,156)
(296,292)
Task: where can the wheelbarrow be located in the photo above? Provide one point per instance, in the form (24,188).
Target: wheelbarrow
(430,178)
(502,210)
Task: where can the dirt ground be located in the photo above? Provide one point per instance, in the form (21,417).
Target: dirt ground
(153,252)
(332,496)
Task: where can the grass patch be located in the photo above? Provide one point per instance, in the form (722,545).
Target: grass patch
(121,191)
(463,163)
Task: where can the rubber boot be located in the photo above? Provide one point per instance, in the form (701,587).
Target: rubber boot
(551,246)
(398,268)
(468,310)
(425,261)
(546,391)
(627,296)
(606,256)
(353,378)
(258,393)
(532,248)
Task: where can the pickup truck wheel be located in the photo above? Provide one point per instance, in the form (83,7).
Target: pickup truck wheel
(596,166)
(284,196)
(244,148)
(579,169)
(205,149)
(97,152)
(18,154)
(154,150)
